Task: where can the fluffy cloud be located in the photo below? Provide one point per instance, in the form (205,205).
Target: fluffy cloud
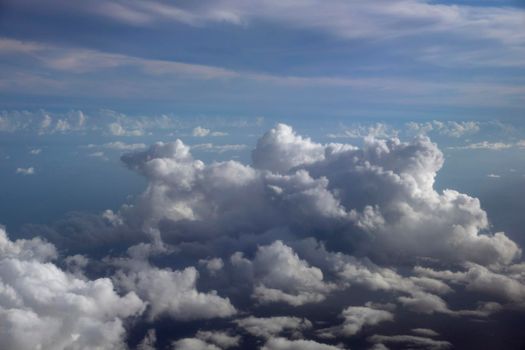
(281,276)
(171,292)
(379,199)
(44,307)
(355,318)
(267,327)
(285,344)
(304,227)
(500,284)
(221,339)
(206,340)
(193,344)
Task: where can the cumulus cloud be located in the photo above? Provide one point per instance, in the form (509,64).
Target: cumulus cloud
(355,318)
(502,284)
(281,276)
(268,327)
(306,226)
(171,292)
(44,307)
(212,265)
(285,344)
(382,193)
(193,344)
(222,339)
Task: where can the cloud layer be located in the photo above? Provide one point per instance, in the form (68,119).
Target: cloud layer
(313,245)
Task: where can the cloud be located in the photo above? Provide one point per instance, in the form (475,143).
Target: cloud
(121,146)
(448,128)
(425,332)
(355,318)
(382,193)
(210,147)
(378,130)
(200,132)
(212,265)
(281,149)
(170,292)
(148,343)
(268,327)
(412,341)
(207,340)
(281,276)
(282,245)
(493,146)
(506,287)
(222,339)
(35,151)
(44,307)
(25,171)
(285,344)
(193,344)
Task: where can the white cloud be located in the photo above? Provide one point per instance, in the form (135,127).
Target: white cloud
(425,332)
(355,318)
(305,222)
(493,146)
(281,276)
(412,341)
(212,265)
(448,128)
(200,132)
(285,344)
(193,344)
(118,130)
(281,149)
(505,286)
(383,193)
(44,307)
(25,171)
(268,327)
(35,151)
(210,147)
(121,146)
(224,340)
(171,292)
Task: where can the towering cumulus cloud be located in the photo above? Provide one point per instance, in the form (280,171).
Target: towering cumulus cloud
(321,246)
(376,201)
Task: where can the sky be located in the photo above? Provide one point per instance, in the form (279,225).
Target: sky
(262,174)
